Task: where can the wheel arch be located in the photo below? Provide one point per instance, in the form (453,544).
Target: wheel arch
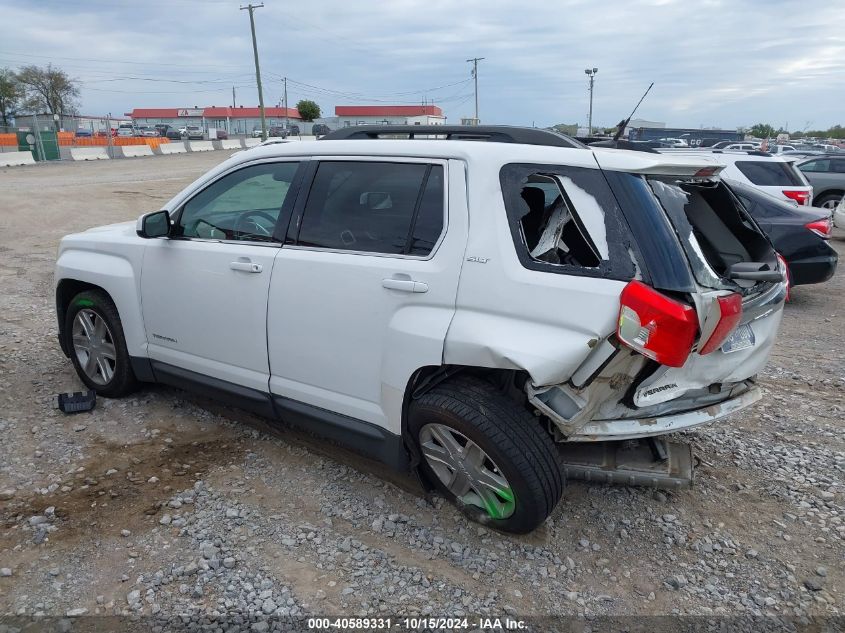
(832,191)
(424,379)
(66,290)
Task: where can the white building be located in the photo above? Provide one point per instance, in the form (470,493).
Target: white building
(348,116)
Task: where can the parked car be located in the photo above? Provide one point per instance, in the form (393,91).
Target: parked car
(293,130)
(277,131)
(673,142)
(799,234)
(839,215)
(827,175)
(194,133)
(455,307)
(174,134)
(83,132)
(146,131)
(257,133)
(125,132)
(775,175)
(162,128)
(221,134)
(320,129)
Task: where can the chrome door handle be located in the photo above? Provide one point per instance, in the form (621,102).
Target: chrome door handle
(247,267)
(405,285)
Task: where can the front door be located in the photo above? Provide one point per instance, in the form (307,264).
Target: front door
(365,294)
(204,290)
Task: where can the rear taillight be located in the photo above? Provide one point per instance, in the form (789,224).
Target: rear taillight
(786,275)
(656,326)
(801,197)
(821,227)
(730,313)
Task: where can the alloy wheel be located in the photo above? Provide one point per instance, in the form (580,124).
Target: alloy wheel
(94,346)
(466,470)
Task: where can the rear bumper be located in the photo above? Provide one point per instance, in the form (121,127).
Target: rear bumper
(628,429)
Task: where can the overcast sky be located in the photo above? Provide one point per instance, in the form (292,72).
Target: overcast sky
(714,62)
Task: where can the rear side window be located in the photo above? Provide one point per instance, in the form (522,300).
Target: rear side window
(373,207)
(816,166)
(566,220)
(769,173)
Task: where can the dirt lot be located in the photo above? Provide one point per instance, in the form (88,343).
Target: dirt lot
(164,504)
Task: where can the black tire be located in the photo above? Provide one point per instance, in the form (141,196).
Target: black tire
(509,434)
(123,381)
(830,197)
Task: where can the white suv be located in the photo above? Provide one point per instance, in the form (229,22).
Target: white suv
(453,306)
(776,175)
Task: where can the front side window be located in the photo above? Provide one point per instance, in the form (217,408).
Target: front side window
(243,205)
(373,207)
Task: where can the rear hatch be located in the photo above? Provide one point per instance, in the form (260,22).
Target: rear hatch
(701,319)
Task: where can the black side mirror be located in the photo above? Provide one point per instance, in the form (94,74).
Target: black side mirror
(155,224)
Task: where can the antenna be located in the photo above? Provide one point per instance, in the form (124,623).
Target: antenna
(624,123)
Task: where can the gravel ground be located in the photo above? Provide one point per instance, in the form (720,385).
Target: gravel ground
(165,505)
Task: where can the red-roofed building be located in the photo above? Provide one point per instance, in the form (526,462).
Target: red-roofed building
(238,120)
(389,115)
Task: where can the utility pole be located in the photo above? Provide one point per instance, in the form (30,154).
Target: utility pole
(233,97)
(287,123)
(475,61)
(591,72)
(251,8)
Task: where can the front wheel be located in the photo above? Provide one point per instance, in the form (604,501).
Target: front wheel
(487,454)
(94,336)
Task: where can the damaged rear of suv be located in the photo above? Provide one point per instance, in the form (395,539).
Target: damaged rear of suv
(644,300)
(698,317)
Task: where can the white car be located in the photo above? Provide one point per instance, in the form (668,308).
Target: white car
(456,307)
(674,142)
(776,175)
(839,214)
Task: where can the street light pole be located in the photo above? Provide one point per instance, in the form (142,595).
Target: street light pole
(475,61)
(591,72)
(251,8)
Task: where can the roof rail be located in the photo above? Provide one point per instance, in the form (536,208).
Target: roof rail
(491,133)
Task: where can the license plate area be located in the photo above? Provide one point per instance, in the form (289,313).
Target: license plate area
(742,338)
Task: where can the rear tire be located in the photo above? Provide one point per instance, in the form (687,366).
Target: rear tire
(94,336)
(828,201)
(502,470)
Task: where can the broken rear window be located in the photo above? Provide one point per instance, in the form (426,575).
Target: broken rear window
(565,219)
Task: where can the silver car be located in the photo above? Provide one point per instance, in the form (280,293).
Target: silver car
(827,175)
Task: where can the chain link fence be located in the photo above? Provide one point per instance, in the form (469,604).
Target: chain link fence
(52,138)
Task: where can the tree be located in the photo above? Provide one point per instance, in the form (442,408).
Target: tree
(763,130)
(308,110)
(10,95)
(48,89)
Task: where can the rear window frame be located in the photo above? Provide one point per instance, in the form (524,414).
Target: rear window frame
(621,244)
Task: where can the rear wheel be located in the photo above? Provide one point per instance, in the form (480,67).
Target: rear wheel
(828,201)
(94,336)
(487,454)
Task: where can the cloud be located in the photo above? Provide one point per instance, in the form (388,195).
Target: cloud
(714,62)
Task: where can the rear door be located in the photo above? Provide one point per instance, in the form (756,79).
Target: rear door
(364,289)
